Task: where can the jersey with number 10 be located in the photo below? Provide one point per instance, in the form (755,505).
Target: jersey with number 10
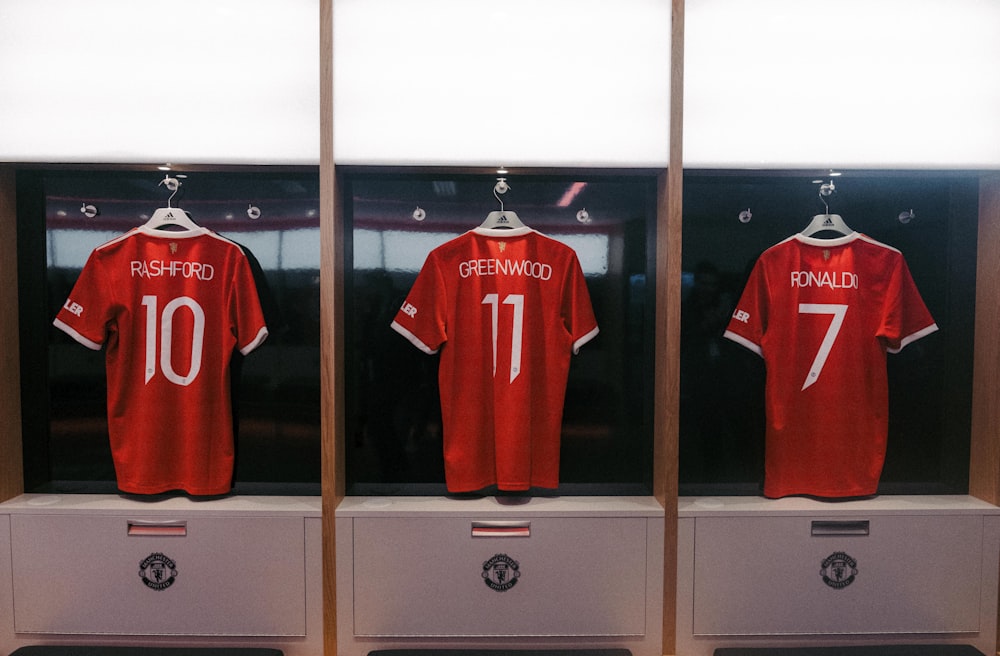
(506,309)
(823,313)
(169,308)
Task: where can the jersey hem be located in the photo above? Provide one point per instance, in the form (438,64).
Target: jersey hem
(743,341)
(175,487)
(416,341)
(72,332)
(839,494)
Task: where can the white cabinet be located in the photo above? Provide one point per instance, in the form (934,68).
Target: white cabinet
(798,571)
(233,569)
(563,572)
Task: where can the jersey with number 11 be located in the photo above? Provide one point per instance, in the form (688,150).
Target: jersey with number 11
(823,313)
(169,308)
(506,309)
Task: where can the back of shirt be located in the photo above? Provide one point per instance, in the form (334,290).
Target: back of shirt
(169,308)
(506,309)
(823,313)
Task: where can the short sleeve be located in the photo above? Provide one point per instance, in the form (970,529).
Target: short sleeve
(577,309)
(905,316)
(86,312)
(749,319)
(422,318)
(250,328)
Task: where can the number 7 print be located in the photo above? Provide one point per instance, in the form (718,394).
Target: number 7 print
(837,311)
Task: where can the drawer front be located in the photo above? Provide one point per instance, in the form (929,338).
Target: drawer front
(149,576)
(797,575)
(459,577)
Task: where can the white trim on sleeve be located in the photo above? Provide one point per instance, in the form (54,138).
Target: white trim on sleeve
(416,341)
(72,332)
(743,341)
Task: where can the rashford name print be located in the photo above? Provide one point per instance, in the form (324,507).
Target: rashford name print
(172,269)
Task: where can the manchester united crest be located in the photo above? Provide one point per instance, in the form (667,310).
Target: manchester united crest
(839,570)
(501,572)
(157,571)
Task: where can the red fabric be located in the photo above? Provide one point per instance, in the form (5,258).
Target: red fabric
(850,300)
(479,299)
(169,308)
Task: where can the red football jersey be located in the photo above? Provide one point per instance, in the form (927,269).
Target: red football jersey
(506,309)
(823,313)
(170,308)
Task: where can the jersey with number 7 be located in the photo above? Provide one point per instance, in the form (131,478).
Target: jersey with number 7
(823,313)
(170,308)
(506,309)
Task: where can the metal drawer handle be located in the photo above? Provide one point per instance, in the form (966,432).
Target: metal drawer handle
(176,529)
(840,528)
(501,529)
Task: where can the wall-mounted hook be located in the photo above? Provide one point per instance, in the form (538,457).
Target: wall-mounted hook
(745,216)
(583,216)
(826,189)
(907,216)
(173,184)
(419,214)
(89,211)
(253,212)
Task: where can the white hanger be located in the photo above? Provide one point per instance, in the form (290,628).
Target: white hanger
(501,218)
(170,216)
(827,221)
(822,222)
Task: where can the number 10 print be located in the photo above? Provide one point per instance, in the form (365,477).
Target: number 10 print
(165,347)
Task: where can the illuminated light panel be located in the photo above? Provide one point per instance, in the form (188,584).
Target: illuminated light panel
(523,83)
(850,84)
(108,81)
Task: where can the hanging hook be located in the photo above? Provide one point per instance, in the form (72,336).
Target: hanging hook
(826,189)
(172,184)
(501,187)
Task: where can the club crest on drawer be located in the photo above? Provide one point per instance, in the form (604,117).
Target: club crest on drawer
(501,572)
(157,571)
(839,570)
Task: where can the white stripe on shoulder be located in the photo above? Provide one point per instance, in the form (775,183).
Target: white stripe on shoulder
(115,240)
(864,237)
